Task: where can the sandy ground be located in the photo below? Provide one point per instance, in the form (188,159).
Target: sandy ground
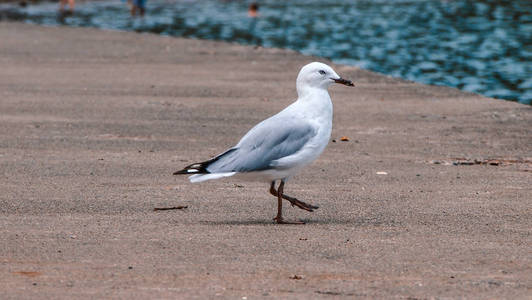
(93,123)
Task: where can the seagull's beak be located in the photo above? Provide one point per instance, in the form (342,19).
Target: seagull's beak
(344,81)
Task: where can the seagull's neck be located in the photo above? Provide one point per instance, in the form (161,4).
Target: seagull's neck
(316,102)
(313,94)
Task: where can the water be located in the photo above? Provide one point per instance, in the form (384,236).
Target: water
(478,46)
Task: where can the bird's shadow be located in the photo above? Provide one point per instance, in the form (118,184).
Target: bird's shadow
(358,222)
(239,222)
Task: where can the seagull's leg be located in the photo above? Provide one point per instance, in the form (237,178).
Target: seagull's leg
(279,218)
(292,200)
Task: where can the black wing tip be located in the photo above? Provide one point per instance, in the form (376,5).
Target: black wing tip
(201,167)
(197,168)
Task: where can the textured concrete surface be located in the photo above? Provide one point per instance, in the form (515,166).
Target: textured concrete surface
(93,123)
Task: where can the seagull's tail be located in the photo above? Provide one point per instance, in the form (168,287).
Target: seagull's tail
(203,177)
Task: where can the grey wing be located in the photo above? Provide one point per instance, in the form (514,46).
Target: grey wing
(268,141)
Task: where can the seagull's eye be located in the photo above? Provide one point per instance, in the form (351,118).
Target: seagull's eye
(322,72)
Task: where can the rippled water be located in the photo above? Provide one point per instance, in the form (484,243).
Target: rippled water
(478,46)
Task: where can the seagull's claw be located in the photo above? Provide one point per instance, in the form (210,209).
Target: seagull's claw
(302,205)
(282,221)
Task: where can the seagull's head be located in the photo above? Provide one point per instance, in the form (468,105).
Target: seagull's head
(319,75)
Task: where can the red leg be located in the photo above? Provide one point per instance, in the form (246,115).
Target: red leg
(279,218)
(292,200)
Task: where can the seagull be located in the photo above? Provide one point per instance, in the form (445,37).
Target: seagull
(280,146)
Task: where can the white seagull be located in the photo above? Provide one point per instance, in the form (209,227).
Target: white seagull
(280,146)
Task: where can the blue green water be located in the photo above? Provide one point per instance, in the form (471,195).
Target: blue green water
(478,46)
